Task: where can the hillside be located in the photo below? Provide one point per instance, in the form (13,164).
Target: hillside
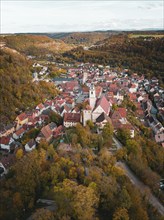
(144,55)
(35,45)
(80,38)
(16,88)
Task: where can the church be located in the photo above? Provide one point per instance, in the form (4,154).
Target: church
(96,107)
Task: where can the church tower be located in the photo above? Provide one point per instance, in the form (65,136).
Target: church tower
(92,97)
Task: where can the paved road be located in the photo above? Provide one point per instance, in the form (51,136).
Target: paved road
(141,186)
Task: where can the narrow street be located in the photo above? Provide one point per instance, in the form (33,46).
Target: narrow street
(140,185)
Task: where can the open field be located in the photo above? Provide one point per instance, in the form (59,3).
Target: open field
(146,35)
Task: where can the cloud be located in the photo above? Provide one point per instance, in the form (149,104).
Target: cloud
(56,16)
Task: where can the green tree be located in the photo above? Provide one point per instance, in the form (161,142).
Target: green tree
(123,135)
(107,133)
(56,118)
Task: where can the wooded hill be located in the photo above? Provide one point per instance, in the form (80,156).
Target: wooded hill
(79,38)
(16,87)
(86,38)
(35,45)
(144,55)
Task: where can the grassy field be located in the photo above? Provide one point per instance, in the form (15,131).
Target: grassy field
(146,35)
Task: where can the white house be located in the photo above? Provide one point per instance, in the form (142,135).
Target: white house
(71,119)
(19,133)
(133,88)
(5,142)
(31,145)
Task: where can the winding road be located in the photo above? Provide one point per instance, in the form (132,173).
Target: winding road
(140,185)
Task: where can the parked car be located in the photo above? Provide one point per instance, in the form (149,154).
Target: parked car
(161,184)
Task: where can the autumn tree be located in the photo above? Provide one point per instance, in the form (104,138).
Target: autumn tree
(43,214)
(19,153)
(121,214)
(72,199)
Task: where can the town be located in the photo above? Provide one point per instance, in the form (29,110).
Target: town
(87,93)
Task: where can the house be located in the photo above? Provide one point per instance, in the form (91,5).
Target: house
(113,87)
(76,110)
(21,120)
(40,108)
(119,115)
(154,80)
(58,131)
(31,145)
(159,138)
(132,97)
(133,88)
(7,130)
(140,98)
(19,133)
(118,95)
(71,86)
(61,80)
(64,109)
(85,90)
(70,103)
(102,120)
(71,119)
(117,125)
(5,142)
(46,132)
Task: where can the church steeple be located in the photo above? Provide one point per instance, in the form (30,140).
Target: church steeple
(92,96)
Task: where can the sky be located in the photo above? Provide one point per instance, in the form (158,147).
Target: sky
(25,16)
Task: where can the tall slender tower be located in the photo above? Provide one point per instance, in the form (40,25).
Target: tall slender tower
(92,97)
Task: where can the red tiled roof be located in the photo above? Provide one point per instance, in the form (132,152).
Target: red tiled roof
(5,140)
(116,116)
(46,131)
(58,131)
(104,104)
(20,131)
(72,117)
(122,112)
(40,106)
(132,96)
(76,109)
(22,116)
(85,89)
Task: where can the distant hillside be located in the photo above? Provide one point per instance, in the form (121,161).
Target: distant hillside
(143,54)
(80,38)
(36,45)
(16,87)
(86,38)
